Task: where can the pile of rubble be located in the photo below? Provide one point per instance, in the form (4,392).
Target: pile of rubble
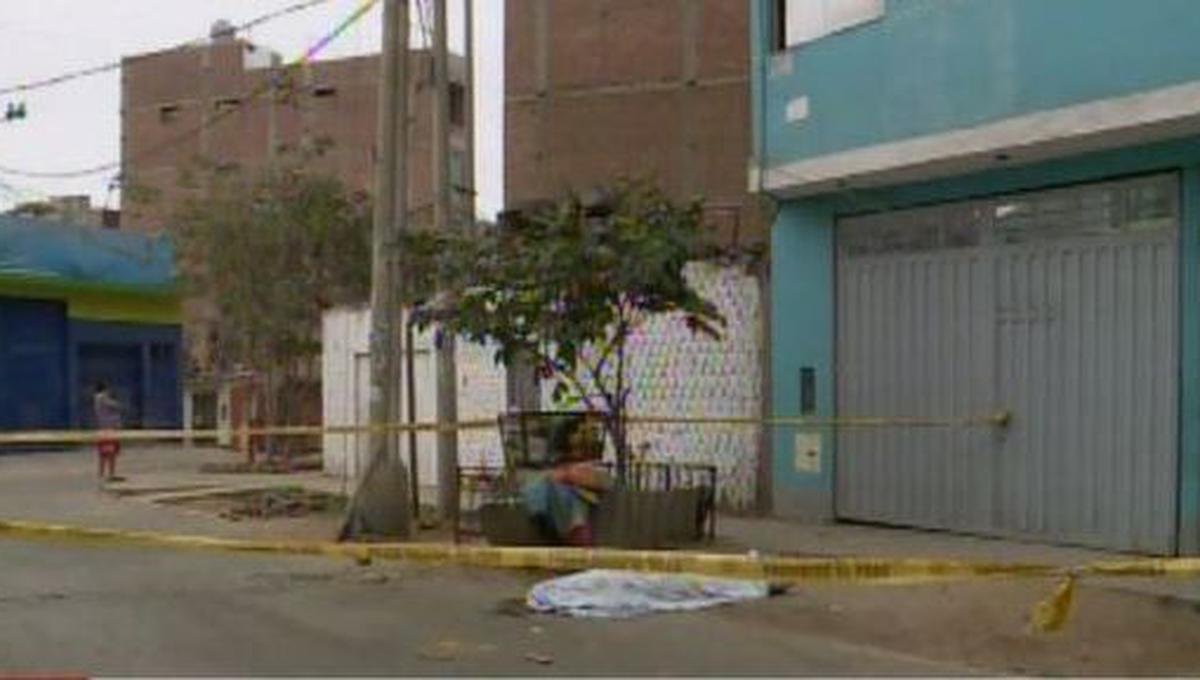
(269,466)
(273,503)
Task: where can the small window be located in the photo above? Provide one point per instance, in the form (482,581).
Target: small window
(324,92)
(797,22)
(168,113)
(458,105)
(227,104)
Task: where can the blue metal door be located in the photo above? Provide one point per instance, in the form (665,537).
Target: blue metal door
(120,368)
(162,403)
(33,377)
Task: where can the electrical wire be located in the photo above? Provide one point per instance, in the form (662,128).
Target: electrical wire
(209,122)
(24,88)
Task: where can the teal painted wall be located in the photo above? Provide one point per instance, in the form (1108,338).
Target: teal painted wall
(930,66)
(803,302)
(802,336)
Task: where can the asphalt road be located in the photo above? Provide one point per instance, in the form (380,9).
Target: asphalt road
(115,611)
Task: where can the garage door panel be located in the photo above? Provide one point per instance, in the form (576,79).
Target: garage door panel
(886,366)
(1059,306)
(1086,343)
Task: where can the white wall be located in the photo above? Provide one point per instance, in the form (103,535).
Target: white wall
(346,370)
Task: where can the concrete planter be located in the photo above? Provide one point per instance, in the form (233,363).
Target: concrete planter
(625,518)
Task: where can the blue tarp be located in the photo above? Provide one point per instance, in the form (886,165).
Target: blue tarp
(41,250)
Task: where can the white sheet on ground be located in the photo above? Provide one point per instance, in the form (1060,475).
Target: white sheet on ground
(612,594)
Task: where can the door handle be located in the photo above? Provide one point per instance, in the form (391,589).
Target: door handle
(1001,420)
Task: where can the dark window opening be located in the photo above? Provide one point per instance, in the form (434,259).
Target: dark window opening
(227,104)
(324,91)
(779,26)
(458,105)
(168,113)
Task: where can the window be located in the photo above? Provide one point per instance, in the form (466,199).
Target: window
(458,105)
(802,21)
(168,113)
(226,104)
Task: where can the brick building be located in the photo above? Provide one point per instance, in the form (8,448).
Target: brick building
(229,102)
(601,89)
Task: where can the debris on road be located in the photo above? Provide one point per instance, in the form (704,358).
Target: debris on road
(602,593)
(541,659)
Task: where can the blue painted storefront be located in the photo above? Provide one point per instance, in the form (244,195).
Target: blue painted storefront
(932,66)
(50,364)
(79,306)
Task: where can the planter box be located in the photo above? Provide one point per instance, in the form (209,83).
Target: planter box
(625,518)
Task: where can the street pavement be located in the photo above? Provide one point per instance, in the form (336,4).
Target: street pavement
(116,611)
(70,608)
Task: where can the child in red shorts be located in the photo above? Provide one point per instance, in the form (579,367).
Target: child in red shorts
(108,420)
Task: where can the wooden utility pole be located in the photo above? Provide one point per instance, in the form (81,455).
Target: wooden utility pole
(384,503)
(447,370)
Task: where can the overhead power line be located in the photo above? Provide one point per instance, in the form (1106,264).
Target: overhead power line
(309,54)
(41,84)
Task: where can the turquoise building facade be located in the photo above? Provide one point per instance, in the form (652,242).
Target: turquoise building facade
(1018,181)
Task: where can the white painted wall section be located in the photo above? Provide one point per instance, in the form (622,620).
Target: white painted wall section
(346,395)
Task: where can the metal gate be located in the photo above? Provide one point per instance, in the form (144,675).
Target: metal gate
(33,361)
(1059,306)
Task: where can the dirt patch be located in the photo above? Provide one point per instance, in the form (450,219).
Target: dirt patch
(985,625)
(270,466)
(265,504)
(130,492)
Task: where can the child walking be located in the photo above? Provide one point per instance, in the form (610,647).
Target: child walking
(108,420)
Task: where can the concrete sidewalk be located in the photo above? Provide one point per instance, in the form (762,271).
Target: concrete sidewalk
(781,537)
(62,487)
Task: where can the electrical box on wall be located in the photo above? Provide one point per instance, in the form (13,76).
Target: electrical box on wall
(806,453)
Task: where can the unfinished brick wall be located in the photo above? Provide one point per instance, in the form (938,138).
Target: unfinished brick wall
(599,90)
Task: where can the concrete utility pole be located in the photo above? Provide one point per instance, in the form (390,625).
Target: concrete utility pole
(447,370)
(384,501)
(470,188)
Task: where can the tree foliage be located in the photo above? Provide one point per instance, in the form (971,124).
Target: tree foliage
(567,287)
(270,250)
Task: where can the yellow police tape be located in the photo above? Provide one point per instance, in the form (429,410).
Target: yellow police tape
(60,437)
(1048,615)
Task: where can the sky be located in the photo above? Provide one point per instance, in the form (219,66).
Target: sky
(77,125)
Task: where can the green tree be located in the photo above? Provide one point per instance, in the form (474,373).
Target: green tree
(34,209)
(270,250)
(567,287)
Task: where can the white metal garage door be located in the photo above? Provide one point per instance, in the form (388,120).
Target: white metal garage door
(1059,306)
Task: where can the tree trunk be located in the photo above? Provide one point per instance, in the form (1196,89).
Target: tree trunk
(621,437)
